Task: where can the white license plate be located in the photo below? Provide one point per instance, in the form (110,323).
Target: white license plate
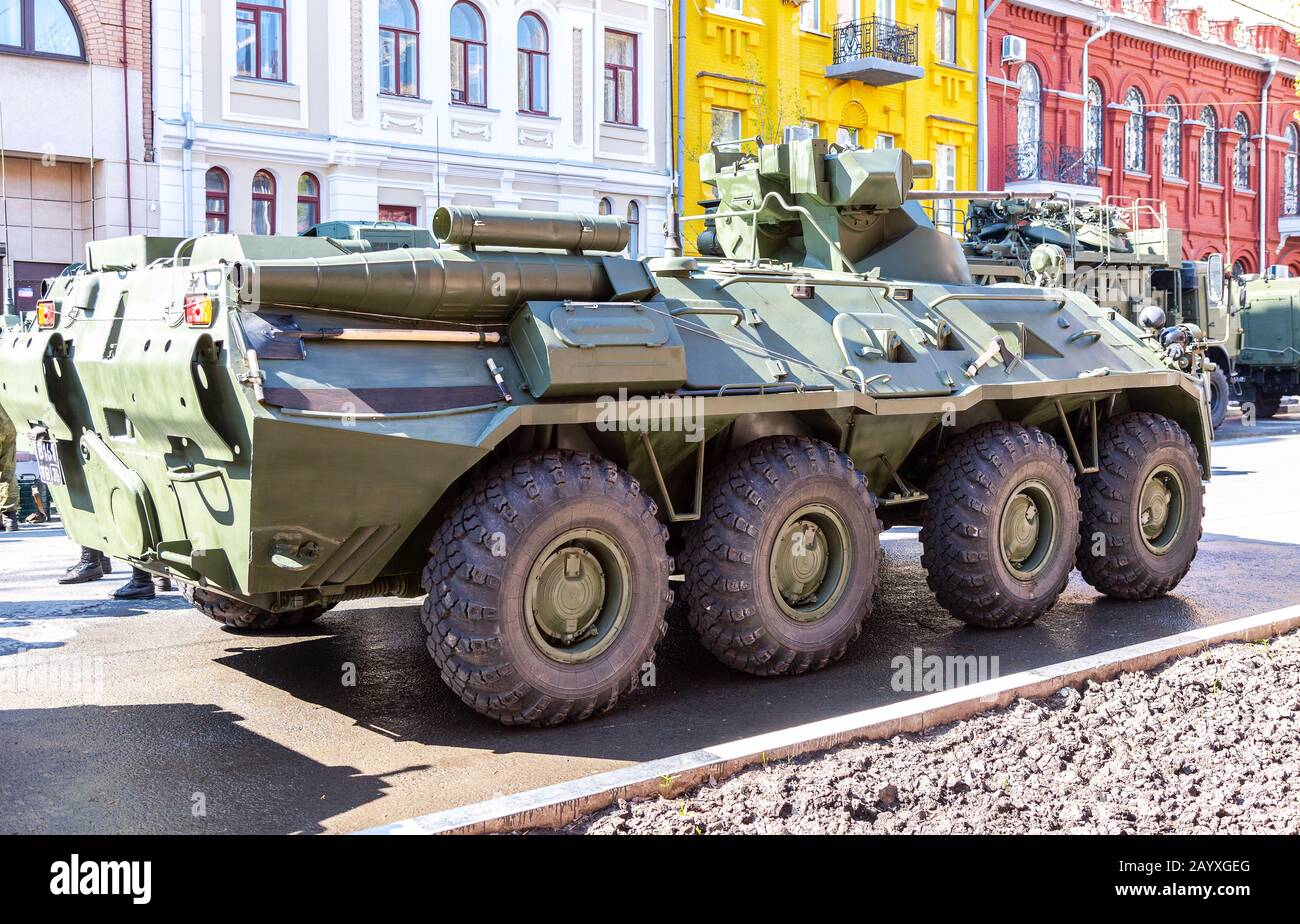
(48,466)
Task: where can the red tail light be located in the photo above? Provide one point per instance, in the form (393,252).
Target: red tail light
(198,310)
(46,315)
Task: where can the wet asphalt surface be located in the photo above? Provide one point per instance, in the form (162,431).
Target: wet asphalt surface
(118,717)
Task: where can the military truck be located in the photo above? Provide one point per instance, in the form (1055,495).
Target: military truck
(1121,253)
(545,439)
(1267,365)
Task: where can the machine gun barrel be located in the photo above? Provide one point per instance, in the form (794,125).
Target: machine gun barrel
(423,284)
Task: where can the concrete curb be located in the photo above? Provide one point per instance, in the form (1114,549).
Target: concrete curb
(553,806)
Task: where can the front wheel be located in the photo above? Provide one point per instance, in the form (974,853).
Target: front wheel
(236,614)
(998,530)
(1267,404)
(547,589)
(1142,511)
(1218,398)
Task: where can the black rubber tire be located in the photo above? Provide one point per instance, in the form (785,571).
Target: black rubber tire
(727,556)
(235,614)
(1218,397)
(1131,446)
(1267,404)
(961,531)
(474,615)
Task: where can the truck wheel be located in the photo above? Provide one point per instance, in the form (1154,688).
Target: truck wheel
(237,614)
(1142,512)
(547,589)
(782,567)
(1218,398)
(998,532)
(1267,404)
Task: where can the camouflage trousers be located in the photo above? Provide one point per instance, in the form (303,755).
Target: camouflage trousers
(8,465)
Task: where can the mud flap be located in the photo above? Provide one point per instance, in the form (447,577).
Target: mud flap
(126,517)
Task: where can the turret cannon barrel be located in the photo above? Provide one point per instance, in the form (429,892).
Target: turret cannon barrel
(547,230)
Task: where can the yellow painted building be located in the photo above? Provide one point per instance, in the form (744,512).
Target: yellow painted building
(865,72)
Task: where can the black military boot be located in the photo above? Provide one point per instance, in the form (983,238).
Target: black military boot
(88,569)
(9,522)
(140,587)
(106,563)
(163,584)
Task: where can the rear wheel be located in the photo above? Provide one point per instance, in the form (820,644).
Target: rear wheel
(1142,511)
(547,589)
(998,531)
(782,566)
(1218,397)
(1267,404)
(236,614)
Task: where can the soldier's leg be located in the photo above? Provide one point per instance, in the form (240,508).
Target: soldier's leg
(8,474)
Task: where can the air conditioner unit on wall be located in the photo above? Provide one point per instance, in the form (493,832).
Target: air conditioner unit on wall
(1014,49)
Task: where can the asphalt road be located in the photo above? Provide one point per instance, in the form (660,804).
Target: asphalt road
(118,717)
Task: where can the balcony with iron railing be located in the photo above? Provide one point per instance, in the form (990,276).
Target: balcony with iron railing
(1048,163)
(875,51)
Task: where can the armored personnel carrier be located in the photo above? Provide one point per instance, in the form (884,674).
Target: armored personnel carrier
(545,439)
(1121,253)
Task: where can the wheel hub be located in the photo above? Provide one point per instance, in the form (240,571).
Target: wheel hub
(810,562)
(1028,530)
(577,595)
(1160,509)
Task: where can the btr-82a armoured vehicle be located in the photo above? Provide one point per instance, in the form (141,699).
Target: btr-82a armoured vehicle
(544,438)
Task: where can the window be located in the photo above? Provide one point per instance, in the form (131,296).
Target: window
(884,142)
(730,6)
(534,65)
(308,202)
(810,16)
(605,207)
(1092,126)
(847,137)
(945,177)
(260,39)
(634,230)
(468,55)
(1029,122)
(620,77)
(263,203)
(885,10)
(945,31)
(217,185)
(1291,173)
(1209,156)
(726,125)
(1171,149)
(401,214)
(1242,155)
(39,27)
(399,48)
(1135,132)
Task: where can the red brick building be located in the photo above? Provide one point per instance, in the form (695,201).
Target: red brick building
(1141,99)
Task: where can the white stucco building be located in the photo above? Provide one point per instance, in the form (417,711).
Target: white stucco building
(273,114)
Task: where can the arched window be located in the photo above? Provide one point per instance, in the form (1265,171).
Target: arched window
(468,55)
(1171,148)
(1092,126)
(308,202)
(605,207)
(1290,174)
(634,227)
(1241,155)
(260,37)
(39,27)
(1135,132)
(263,203)
(1029,122)
(217,185)
(1209,151)
(534,65)
(399,48)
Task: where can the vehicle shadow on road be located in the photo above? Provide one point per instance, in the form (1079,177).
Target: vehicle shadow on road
(168,782)
(697,702)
